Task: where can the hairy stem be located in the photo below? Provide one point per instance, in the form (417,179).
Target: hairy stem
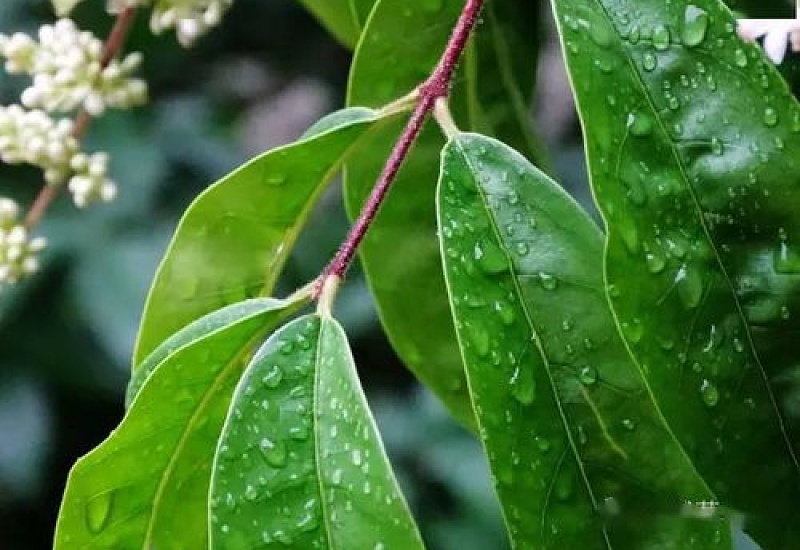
(436,87)
(112,47)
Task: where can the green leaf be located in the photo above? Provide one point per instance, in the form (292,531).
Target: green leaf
(64,7)
(146,485)
(400,254)
(235,237)
(361,10)
(338,17)
(300,462)
(568,421)
(692,139)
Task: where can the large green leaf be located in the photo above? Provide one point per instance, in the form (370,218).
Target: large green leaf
(300,463)
(400,254)
(693,142)
(233,240)
(146,485)
(568,421)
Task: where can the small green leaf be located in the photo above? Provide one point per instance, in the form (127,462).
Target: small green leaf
(64,7)
(235,237)
(568,421)
(300,463)
(146,485)
(695,168)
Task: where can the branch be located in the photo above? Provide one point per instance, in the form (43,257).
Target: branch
(112,47)
(436,87)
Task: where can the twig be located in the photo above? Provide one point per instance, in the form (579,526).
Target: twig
(437,86)
(113,45)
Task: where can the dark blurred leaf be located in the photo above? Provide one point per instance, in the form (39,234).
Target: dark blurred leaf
(695,170)
(338,17)
(299,438)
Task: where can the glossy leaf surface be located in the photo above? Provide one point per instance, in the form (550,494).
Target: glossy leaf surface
(400,254)
(567,419)
(235,237)
(300,463)
(146,486)
(692,139)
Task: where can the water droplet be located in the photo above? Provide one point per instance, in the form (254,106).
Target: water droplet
(355,456)
(770,117)
(633,330)
(478,337)
(695,26)
(274,452)
(709,393)
(628,424)
(690,286)
(740,58)
(273,378)
(542,444)
(717,147)
(505,311)
(649,62)
(640,124)
(522,248)
(250,493)
(548,281)
(98,511)
(490,257)
(523,386)
(655,261)
(588,375)
(661,38)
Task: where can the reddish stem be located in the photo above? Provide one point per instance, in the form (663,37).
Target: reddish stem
(113,45)
(436,86)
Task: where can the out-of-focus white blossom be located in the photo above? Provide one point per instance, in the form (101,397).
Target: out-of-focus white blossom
(91,182)
(189,18)
(18,252)
(33,137)
(67,71)
(777,33)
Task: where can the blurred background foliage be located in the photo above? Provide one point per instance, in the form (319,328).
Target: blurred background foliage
(66,335)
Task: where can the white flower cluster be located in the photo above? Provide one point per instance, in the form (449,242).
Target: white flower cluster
(17,250)
(33,137)
(189,18)
(67,69)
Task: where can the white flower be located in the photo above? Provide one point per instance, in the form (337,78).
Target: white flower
(18,252)
(32,137)
(90,182)
(777,33)
(67,71)
(189,18)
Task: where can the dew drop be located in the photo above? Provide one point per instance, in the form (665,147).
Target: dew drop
(548,281)
(478,337)
(740,58)
(695,26)
(523,386)
(98,511)
(274,452)
(489,257)
(770,117)
(250,493)
(649,62)
(709,393)
(661,38)
(505,311)
(639,125)
(588,375)
(273,378)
